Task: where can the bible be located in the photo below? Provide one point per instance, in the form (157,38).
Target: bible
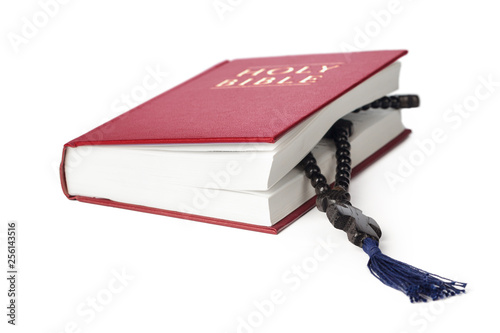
(223,147)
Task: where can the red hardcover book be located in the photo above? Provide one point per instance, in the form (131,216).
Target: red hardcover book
(256,100)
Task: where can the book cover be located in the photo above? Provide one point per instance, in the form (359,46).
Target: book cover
(244,100)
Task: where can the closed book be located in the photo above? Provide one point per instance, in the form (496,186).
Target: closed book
(234,135)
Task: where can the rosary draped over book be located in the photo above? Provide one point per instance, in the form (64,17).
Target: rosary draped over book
(230,147)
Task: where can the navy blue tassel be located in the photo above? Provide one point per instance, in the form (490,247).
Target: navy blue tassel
(417,284)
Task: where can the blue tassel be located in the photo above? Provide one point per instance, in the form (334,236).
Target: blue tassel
(417,284)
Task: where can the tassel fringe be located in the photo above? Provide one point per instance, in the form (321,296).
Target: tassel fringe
(417,284)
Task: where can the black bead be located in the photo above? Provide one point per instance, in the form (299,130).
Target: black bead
(311,169)
(341,134)
(385,102)
(343,125)
(409,101)
(344,167)
(342,178)
(344,160)
(395,104)
(342,152)
(375,104)
(344,185)
(317,178)
(344,174)
(309,159)
(342,182)
(321,188)
(344,145)
(341,139)
(365,107)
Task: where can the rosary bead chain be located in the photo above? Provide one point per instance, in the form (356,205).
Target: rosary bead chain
(393,102)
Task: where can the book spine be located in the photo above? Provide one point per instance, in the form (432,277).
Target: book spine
(62,174)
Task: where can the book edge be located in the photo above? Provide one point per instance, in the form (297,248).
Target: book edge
(275,229)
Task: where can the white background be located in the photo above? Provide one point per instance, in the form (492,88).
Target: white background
(70,74)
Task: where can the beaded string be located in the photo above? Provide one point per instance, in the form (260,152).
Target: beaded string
(362,230)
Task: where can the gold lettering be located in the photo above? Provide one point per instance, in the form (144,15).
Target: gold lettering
(275,71)
(264,80)
(325,68)
(227,82)
(285,80)
(245,82)
(251,72)
(302,70)
(311,79)
(275,75)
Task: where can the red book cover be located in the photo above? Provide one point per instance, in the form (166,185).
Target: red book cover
(238,101)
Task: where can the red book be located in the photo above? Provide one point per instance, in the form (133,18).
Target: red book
(259,105)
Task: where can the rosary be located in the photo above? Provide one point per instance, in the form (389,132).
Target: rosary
(362,230)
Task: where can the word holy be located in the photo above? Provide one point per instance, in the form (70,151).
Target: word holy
(278,76)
